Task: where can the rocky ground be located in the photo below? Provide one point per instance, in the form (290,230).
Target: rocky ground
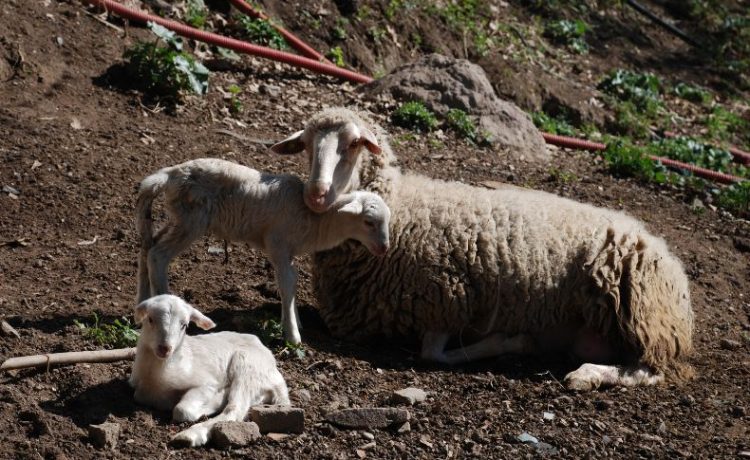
(74,142)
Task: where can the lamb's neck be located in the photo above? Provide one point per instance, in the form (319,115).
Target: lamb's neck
(328,234)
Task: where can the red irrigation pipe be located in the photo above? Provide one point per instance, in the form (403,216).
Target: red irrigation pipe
(573,143)
(231,43)
(739,155)
(290,38)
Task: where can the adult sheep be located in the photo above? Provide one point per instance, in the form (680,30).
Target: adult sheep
(517,270)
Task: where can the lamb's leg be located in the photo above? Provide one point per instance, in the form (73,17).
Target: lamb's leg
(493,345)
(592,376)
(171,242)
(197,402)
(286,279)
(247,387)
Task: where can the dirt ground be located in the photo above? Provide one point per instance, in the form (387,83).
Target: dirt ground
(74,142)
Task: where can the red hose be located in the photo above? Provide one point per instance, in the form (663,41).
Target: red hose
(290,38)
(231,43)
(739,155)
(573,143)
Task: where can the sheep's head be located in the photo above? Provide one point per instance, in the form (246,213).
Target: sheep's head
(165,319)
(333,140)
(370,217)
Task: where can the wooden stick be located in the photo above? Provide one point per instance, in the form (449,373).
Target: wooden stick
(73,357)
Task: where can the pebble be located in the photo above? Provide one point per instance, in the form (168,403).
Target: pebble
(548,416)
(526,438)
(409,396)
(234,434)
(105,435)
(8,330)
(687,400)
(405,428)
(729,344)
(302,396)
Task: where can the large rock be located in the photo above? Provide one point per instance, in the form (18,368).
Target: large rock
(369,417)
(444,83)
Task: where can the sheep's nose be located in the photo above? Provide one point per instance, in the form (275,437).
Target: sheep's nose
(316,195)
(162,351)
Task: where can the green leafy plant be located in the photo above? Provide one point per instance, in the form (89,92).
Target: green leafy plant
(692,151)
(235,105)
(339,30)
(735,198)
(270,331)
(165,70)
(552,125)
(119,334)
(459,121)
(336,55)
(570,34)
(414,116)
(626,159)
(692,93)
(643,90)
(261,31)
(196,13)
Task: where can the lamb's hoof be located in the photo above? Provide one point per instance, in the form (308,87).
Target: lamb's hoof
(582,379)
(188,438)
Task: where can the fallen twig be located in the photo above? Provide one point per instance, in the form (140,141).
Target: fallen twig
(73,357)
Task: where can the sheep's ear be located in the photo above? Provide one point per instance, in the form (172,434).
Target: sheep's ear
(370,142)
(354,207)
(141,310)
(291,145)
(201,320)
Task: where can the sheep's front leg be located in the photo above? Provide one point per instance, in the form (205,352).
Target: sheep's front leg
(433,348)
(286,279)
(592,376)
(197,402)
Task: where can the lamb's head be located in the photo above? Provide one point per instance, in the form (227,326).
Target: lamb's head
(333,140)
(369,218)
(165,319)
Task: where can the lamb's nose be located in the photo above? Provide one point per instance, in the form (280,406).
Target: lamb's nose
(163,350)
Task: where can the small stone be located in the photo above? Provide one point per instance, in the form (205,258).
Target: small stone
(729,344)
(367,435)
(278,419)
(225,435)
(738,411)
(270,90)
(104,436)
(277,436)
(369,445)
(687,400)
(744,454)
(409,396)
(302,396)
(372,417)
(546,449)
(651,437)
(11,190)
(425,441)
(405,428)
(8,330)
(549,416)
(526,438)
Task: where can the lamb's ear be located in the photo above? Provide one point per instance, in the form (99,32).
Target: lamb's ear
(369,139)
(201,320)
(291,145)
(140,312)
(354,207)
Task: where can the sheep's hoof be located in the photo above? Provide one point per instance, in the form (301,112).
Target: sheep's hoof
(182,415)
(585,378)
(577,384)
(188,438)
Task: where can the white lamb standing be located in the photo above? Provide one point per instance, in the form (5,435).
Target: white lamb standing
(267,211)
(511,270)
(196,376)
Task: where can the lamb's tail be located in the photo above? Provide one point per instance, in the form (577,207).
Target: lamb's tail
(149,189)
(646,301)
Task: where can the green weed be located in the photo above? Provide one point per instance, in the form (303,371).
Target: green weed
(165,70)
(552,125)
(570,34)
(414,116)
(336,55)
(459,121)
(736,198)
(339,30)
(625,159)
(722,124)
(119,334)
(692,93)
(643,90)
(235,104)
(196,13)
(261,32)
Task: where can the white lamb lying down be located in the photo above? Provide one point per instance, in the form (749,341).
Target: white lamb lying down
(237,203)
(196,376)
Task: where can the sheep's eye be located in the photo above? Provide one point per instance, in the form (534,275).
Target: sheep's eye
(356,143)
